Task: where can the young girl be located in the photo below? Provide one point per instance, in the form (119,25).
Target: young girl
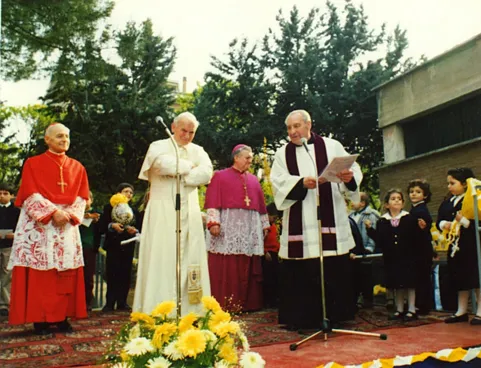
(420,194)
(463,265)
(396,234)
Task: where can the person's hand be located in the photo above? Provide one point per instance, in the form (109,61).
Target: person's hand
(458,216)
(422,224)
(322,181)
(266,231)
(345,175)
(447,225)
(368,224)
(215,230)
(309,182)
(60,218)
(131,230)
(9,236)
(93,215)
(268,257)
(118,227)
(352,256)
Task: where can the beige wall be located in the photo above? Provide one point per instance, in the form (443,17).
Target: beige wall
(432,167)
(448,77)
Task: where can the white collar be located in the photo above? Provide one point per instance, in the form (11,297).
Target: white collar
(388,216)
(456,199)
(6,204)
(417,204)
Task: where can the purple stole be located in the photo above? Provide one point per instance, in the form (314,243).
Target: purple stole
(326,210)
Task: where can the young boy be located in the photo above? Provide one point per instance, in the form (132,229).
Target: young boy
(363,270)
(8,222)
(270,261)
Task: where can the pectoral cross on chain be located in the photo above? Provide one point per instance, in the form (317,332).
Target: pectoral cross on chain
(247,200)
(61,182)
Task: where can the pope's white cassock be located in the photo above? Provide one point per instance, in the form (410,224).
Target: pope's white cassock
(300,301)
(156,277)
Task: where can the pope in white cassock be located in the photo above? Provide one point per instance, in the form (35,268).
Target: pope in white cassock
(156,277)
(293,178)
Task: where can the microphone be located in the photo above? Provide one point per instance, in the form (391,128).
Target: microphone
(304,143)
(158,119)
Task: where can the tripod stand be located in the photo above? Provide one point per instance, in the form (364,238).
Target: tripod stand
(326,327)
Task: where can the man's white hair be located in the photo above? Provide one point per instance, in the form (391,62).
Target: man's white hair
(187,116)
(53,127)
(305,115)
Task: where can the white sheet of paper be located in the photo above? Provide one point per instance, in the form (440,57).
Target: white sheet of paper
(336,166)
(86,222)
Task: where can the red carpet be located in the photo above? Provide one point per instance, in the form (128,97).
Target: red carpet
(350,349)
(92,337)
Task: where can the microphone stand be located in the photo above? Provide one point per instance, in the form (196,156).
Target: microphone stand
(177,219)
(326,324)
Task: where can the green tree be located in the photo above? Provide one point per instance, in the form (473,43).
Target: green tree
(13,152)
(234,105)
(323,64)
(34,31)
(110,109)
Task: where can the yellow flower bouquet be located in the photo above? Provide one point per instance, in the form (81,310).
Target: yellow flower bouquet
(159,341)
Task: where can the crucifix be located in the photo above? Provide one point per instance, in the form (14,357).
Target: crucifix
(61,182)
(247,200)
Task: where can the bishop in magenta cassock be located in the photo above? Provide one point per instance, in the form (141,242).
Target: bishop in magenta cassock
(46,258)
(237,221)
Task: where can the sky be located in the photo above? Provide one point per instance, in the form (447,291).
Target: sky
(204,28)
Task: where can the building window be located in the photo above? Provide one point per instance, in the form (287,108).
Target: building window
(453,124)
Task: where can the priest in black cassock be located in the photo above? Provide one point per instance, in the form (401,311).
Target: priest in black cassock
(293,178)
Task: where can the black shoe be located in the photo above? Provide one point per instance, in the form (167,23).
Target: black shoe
(64,326)
(108,308)
(455,319)
(396,316)
(410,316)
(41,328)
(289,328)
(124,307)
(476,321)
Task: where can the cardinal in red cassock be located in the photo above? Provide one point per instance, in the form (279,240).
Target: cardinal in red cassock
(46,258)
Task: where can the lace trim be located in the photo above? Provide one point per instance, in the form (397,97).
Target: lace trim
(241,232)
(44,246)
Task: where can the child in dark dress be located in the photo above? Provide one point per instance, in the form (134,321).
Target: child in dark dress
(420,194)
(396,235)
(463,262)
(119,256)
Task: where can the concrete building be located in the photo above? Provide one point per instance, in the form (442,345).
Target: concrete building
(431,120)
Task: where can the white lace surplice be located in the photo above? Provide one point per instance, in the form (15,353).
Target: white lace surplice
(44,246)
(241,231)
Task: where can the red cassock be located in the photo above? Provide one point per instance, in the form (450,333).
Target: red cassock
(53,294)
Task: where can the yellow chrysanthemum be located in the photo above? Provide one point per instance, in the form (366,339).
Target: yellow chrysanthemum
(142,317)
(162,334)
(187,321)
(228,353)
(218,317)
(163,309)
(124,356)
(191,343)
(117,199)
(210,303)
(223,329)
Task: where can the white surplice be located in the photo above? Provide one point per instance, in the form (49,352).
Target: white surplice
(44,246)
(283,182)
(156,275)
